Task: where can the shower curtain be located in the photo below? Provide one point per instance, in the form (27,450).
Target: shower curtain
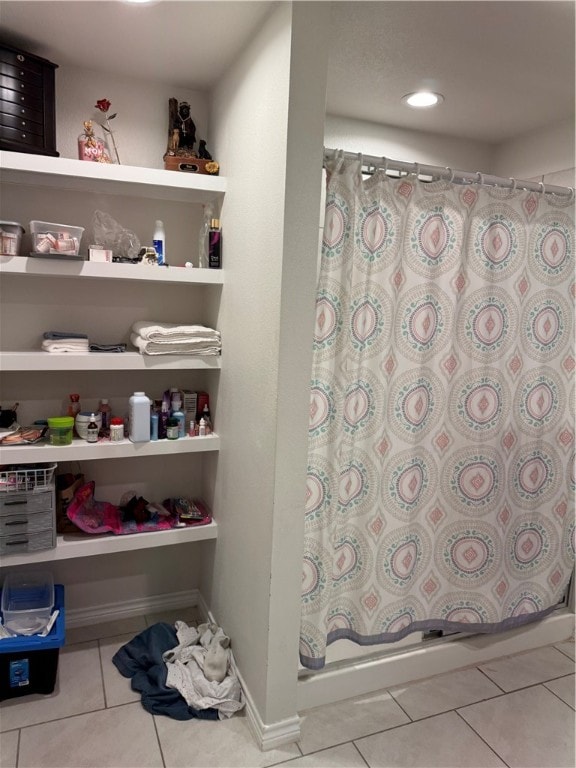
(440,489)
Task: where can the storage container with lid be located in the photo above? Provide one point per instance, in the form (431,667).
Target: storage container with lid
(27,601)
(10,236)
(61,428)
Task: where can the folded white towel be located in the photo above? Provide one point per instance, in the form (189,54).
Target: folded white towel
(66,345)
(172,331)
(190,347)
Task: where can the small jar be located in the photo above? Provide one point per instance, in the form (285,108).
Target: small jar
(116,429)
(172,428)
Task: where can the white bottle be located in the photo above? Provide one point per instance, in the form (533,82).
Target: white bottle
(139,418)
(159,242)
(202,428)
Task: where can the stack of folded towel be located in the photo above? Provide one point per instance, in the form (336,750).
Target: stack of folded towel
(172,339)
(63,341)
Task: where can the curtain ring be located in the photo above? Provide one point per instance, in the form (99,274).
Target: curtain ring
(385,164)
(416,169)
(514,183)
(542,187)
(480,178)
(571,198)
(451,179)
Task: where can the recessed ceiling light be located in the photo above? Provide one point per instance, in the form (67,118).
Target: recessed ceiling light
(422,99)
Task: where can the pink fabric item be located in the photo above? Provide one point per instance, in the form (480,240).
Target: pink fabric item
(95,517)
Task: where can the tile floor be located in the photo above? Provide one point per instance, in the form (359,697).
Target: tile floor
(517,711)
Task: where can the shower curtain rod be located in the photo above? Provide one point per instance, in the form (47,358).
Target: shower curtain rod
(373,163)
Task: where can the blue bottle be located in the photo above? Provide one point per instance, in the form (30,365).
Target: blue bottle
(154,426)
(177,413)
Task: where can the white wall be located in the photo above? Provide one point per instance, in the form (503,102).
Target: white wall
(548,152)
(269,104)
(141,126)
(407,146)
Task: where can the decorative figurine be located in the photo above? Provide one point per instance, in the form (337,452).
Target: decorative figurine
(180,154)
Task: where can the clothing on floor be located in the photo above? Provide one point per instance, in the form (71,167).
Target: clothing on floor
(141,659)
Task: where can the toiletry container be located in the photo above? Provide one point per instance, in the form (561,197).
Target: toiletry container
(106,411)
(139,406)
(159,242)
(178,413)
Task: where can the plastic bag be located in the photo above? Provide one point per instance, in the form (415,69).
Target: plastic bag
(113,236)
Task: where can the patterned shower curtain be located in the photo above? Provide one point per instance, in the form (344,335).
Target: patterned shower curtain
(440,490)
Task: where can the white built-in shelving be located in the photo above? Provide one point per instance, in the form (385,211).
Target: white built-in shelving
(54,174)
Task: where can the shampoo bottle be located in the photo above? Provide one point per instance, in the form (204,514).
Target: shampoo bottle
(178,414)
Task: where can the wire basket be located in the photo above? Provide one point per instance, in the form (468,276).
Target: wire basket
(30,477)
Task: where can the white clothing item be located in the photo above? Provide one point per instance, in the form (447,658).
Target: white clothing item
(187,638)
(173,332)
(189,680)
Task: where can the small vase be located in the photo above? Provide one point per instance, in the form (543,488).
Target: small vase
(91,147)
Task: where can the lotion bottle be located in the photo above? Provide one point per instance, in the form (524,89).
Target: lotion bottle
(178,414)
(139,418)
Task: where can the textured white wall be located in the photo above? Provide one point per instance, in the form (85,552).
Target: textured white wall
(408,146)
(250,115)
(141,125)
(548,152)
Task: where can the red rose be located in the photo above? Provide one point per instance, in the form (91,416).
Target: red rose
(103,105)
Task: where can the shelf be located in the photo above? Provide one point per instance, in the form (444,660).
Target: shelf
(109,179)
(69,546)
(80,450)
(60,268)
(105,361)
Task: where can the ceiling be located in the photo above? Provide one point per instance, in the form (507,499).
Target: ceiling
(504,67)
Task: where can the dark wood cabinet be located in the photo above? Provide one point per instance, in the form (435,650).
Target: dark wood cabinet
(27,103)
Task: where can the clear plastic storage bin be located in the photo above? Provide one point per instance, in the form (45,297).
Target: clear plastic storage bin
(27,602)
(56,240)
(10,236)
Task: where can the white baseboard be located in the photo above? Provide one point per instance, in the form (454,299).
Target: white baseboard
(359,677)
(98,614)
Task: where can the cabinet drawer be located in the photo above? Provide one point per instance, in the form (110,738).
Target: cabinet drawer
(19,110)
(34,78)
(21,124)
(20,542)
(21,60)
(21,86)
(25,503)
(23,137)
(11,525)
(21,98)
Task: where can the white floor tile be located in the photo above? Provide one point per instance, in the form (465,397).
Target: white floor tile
(528,729)
(567,647)
(444,692)
(443,741)
(334,724)
(78,689)
(563,687)
(215,744)
(121,737)
(9,749)
(530,668)
(117,687)
(134,624)
(344,756)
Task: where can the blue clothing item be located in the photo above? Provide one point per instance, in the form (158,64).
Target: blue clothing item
(141,659)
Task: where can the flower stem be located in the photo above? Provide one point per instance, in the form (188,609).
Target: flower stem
(113,141)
